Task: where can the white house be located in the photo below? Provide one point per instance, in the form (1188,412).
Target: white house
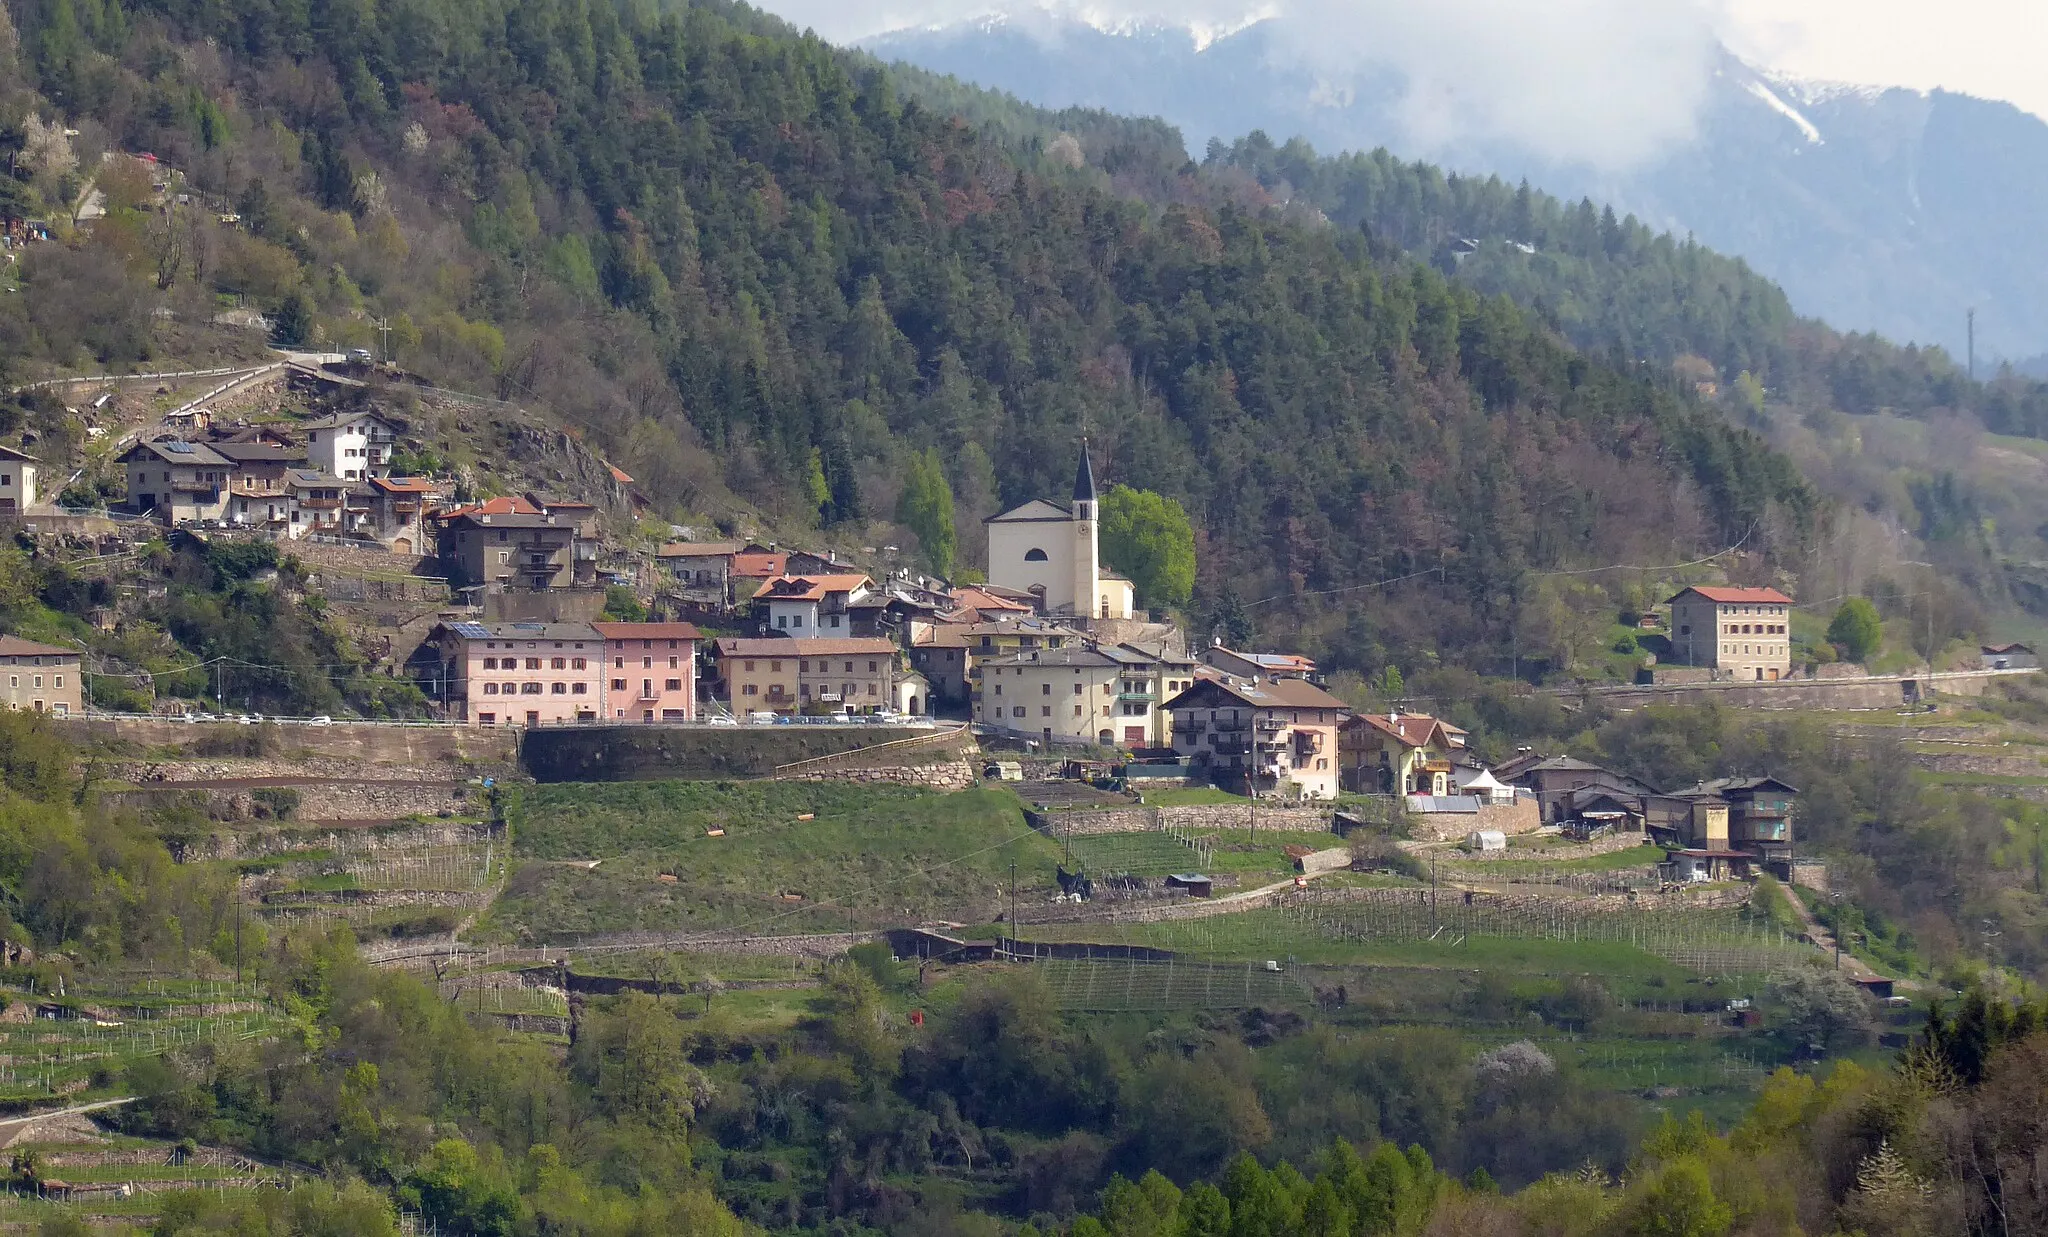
(1054,553)
(813,605)
(17,480)
(354,446)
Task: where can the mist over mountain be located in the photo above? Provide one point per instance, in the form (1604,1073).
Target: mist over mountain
(1886,210)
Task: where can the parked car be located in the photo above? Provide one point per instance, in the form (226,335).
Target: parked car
(322,720)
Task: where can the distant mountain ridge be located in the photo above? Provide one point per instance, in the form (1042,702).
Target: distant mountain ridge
(1886,210)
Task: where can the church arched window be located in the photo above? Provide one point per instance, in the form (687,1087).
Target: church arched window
(1034,555)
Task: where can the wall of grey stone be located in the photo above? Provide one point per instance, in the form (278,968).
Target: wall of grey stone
(1195,818)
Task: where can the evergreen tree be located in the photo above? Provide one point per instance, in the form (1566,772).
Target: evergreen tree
(926,508)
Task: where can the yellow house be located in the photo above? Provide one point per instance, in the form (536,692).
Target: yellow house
(1398,754)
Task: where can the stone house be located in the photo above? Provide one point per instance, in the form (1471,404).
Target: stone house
(1741,633)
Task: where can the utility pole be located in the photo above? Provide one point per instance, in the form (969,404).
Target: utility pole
(1013,901)
(1970,319)
(383,326)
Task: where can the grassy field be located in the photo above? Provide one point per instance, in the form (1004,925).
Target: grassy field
(579,820)
(875,859)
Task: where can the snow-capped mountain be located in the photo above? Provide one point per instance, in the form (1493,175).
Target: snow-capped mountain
(1889,210)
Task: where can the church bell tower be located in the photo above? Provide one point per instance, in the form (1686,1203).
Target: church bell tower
(1087,561)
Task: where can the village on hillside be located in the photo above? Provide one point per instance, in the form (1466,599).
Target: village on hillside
(1048,657)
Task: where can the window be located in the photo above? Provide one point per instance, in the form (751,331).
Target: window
(1045,689)
(1018,711)
(559,689)
(672,685)
(647,663)
(749,665)
(60,680)
(580,689)
(999,689)
(618,663)
(579,663)
(1077,710)
(1045,711)
(1034,555)
(490,663)
(775,666)
(39,681)
(849,667)
(558,663)
(873,666)
(750,690)
(529,689)
(871,688)
(533,663)
(673,663)
(618,685)
(803,667)
(490,689)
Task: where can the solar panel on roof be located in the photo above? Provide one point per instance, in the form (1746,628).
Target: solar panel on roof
(471,631)
(176,447)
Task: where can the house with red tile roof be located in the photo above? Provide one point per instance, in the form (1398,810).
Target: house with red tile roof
(1740,633)
(810,605)
(1399,753)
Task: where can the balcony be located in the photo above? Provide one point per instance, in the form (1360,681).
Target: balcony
(1135,697)
(1230,727)
(1232,747)
(1189,726)
(1271,724)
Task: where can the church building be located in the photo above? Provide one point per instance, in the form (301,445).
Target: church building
(1052,551)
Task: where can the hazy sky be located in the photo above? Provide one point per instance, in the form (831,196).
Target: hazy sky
(1993,48)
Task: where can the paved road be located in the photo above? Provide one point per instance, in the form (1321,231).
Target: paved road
(14,1127)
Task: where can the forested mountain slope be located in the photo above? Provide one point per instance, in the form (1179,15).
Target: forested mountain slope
(734,257)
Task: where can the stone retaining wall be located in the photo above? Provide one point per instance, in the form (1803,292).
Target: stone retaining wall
(362,744)
(322,801)
(954,775)
(1521,816)
(259,843)
(1605,845)
(1192,818)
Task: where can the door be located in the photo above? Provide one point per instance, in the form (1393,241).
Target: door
(1134,736)
(533,717)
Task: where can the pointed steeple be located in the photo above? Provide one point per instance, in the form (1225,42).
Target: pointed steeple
(1084,478)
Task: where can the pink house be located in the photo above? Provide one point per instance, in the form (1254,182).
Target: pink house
(522,674)
(650,671)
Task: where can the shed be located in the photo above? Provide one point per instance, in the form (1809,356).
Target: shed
(1876,985)
(1486,840)
(1197,885)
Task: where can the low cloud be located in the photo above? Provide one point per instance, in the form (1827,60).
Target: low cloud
(1605,83)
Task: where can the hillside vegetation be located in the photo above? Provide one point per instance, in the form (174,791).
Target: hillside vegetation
(741,264)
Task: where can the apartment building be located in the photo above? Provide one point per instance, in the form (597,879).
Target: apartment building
(516,550)
(177,481)
(827,675)
(1743,632)
(650,671)
(41,678)
(1262,736)
(815,605)
(354,446)
(520,674)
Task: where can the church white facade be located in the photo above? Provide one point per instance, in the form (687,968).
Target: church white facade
(1053,552)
